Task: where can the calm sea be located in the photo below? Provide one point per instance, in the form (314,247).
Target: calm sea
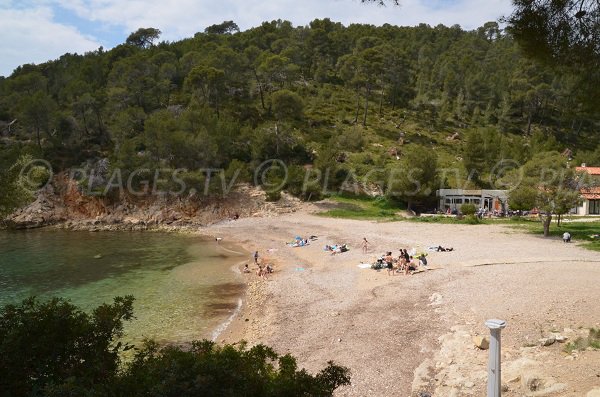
(185,287)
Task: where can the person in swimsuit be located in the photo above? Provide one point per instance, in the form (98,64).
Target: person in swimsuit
(390,263)
(365,245)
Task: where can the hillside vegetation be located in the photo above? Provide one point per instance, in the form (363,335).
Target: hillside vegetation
(356,103)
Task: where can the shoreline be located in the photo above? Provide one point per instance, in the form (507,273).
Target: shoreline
(417,328)
(405,334)
(228,247)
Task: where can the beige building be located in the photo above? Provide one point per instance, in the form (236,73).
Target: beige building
(590,204)
(492,200)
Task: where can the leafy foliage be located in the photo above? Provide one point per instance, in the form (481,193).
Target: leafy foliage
(19,180)
(43,344)
(211,370)
(143,37)
(548,184)
(54,349)
(344,100)
(564,34)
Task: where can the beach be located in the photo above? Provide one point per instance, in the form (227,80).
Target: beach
(405,335)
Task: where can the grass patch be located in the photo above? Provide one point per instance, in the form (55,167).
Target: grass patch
(580,232)
(592,340)
(465,220)
(383,209)
(362,207)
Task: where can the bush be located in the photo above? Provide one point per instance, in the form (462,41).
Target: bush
(53,349)
(211,370)
(43,344)
(471,220)
(468,209)
(273,195)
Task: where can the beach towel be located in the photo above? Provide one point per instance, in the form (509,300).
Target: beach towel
(365,265)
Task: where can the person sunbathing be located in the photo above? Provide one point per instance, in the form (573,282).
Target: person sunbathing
(442,249)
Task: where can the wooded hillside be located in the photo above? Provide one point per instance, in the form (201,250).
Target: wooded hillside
(351,99)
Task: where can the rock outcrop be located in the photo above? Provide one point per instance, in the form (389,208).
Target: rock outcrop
(63,204)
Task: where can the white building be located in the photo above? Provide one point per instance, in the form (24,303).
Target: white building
(492,200)
(590,204)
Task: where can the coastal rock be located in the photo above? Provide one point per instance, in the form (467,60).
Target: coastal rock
(481,342)
(63,202)
(595,392)
(547,341)
(532,382)
(560,338)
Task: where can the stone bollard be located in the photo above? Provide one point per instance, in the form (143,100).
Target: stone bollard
(494,388)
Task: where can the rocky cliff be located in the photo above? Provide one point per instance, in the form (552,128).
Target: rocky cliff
(62,203)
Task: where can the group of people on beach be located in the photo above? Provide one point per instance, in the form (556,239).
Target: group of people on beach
(263,269)
(404,263)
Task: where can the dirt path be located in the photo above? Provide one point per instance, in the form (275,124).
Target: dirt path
(405,334)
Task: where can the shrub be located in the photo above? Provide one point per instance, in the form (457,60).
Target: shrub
(46,343)
(53,349)
(273,195)
(468,209)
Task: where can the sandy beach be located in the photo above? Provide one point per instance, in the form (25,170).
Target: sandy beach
(405,335)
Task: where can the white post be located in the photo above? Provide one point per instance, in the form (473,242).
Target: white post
(494,364)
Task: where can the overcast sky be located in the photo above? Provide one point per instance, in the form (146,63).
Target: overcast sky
(34,31)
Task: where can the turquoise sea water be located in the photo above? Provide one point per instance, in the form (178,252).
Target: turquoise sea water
(185,287)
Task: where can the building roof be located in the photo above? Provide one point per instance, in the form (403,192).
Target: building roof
(589,170)
(591,193)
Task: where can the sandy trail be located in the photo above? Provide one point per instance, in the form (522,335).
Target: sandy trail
(405,334)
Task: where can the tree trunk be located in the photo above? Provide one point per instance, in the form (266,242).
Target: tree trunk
(381,102)
(357,106)
(277,138)
(529,119)
(101,130)
(260,90)
(39,139)
(367,92)
(84,122)
(546,222)
(217,106)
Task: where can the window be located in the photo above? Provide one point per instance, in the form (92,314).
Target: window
(448,201)
(458,201)
(476,201)
(594,207)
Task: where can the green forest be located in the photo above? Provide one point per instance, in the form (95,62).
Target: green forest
(347,100)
